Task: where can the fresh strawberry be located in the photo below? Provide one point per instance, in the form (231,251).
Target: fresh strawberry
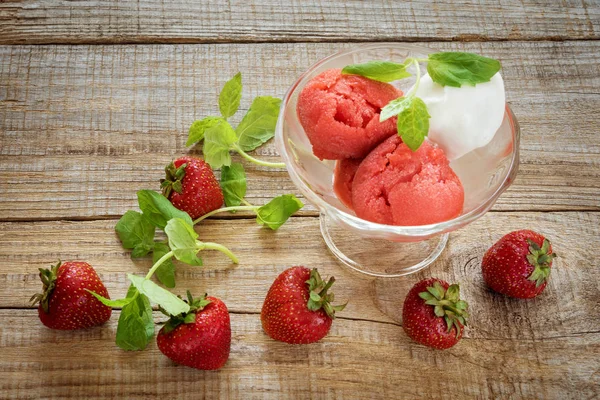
(191,186)
(199,339)
(298,308)
(65,303)
(433,314)
(518,265)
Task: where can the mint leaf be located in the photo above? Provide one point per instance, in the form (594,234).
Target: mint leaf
(231,94)
(455,69)
(383,71)
(233,183)
(196,132)
(217,142)
(393,108)
(277,211)
(108,302)
(136,326)
(413,123)
(258,125)
(136,232)
(165,271)
(158,209)
(182,241)
(167,300)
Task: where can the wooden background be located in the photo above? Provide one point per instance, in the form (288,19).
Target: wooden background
(96,97)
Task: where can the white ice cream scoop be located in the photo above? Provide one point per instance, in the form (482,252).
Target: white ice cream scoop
(465,118)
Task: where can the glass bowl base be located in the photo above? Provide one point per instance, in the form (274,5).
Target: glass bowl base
(380,258)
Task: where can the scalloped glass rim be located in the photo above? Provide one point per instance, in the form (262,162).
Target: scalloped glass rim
(373,229)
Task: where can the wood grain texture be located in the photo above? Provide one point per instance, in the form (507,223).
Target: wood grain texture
(157,21)
(83,127)
(568,305)
(358,360)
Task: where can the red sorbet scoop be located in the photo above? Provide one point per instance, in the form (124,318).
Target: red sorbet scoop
(396,186)
(340,114)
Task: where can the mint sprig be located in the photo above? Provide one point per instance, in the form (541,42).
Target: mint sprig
(272,215)
(220,138)
(445,68)
(382,71)
(233,184)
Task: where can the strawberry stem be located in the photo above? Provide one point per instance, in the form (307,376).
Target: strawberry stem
(224,209)
(248,157)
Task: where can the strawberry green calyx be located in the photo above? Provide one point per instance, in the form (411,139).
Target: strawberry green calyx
(318,296)
(447,304)
(189,317)
(173,179)
(48,277)
(541,260)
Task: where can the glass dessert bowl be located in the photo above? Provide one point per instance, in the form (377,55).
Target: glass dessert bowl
(390,250)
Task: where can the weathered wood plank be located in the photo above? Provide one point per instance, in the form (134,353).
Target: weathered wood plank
(568,305)
(82,128)
(87,364)
(154,21)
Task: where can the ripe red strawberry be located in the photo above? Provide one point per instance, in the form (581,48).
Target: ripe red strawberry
(199,339)
(298,308)
(191,186)
(518,265)
(64,303)
(433,314)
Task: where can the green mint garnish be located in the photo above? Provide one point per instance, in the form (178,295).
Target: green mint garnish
(136,326)
(167,300)
(182,241)
(256,127)
(111,303)
(413,123)
(276,212)
(136,232)
(382,71)
(233,184)
(218,140)
(199,127)
(230,96)
(457,68)
(165,273)
(158,209)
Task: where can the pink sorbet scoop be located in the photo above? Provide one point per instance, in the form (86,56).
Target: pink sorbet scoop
(396,186)
(340,114)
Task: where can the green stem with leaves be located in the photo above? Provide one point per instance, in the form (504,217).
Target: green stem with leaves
(158,263)
(248,157)
(225,209)
(219,247)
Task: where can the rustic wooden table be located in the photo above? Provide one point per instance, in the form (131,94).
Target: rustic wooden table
(96,97)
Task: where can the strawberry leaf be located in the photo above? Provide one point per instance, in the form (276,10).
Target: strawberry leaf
(276,212)
(258,125)
(233,183)
(166,270)
(158,209)
(167,300)
(230,96)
